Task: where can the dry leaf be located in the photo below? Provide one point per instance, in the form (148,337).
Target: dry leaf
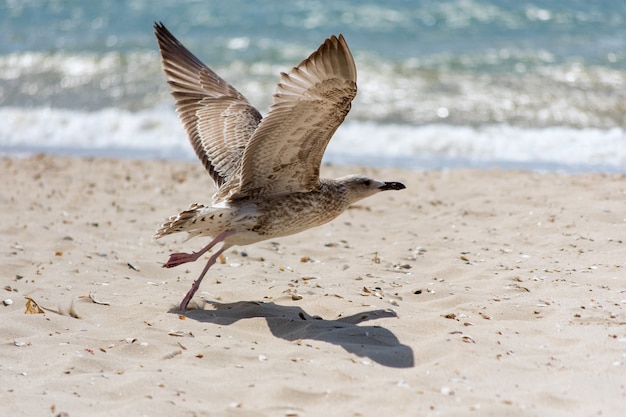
(32,307)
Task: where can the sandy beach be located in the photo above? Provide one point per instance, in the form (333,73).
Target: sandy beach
(472,292)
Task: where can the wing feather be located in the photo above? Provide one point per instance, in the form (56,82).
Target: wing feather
(217,118)
(311,101)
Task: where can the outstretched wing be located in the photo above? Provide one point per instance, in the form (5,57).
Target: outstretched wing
(311,101)
(218,119)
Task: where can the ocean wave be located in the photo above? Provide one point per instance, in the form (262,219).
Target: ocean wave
(157,133)
(528,91)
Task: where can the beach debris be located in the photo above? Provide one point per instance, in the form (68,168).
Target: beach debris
(403,384)
(132,266)
(262,358)
(415,253)
(308,278)
(391,298)
(32,307)
(376,258)
(173,354)
(543,303)
(7,302)
(484,315)
(180,333)
(94,300)
(519,287)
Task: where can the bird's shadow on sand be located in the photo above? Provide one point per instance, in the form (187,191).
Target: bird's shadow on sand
(293,323)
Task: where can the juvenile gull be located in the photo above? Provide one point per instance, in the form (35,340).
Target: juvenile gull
(266,170)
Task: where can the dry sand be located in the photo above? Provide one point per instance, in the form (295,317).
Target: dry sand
(476,292)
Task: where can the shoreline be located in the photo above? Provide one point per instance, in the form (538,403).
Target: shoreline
(498,291)
(336,159)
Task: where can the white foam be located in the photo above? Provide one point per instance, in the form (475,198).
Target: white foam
(147,132)
(559,147)
(159,133)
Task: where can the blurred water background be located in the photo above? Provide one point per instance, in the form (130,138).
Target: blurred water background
(537,84)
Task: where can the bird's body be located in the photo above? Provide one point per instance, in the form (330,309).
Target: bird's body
(266,170)
(259,218)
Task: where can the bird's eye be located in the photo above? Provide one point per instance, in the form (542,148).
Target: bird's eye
(367,183)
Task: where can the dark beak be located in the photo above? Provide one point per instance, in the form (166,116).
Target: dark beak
(392,186)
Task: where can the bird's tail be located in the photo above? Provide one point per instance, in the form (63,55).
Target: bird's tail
(180,222)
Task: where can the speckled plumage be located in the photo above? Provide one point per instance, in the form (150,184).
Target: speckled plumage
(266,170)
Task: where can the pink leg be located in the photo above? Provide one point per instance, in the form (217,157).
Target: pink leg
(181,257)
(196,283)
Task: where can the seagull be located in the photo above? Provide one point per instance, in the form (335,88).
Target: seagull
(265,169)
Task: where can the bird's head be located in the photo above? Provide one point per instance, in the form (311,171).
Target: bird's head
(359,187)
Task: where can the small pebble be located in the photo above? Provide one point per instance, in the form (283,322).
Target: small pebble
(403,384)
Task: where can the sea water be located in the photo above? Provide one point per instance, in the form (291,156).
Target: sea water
(539,84)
